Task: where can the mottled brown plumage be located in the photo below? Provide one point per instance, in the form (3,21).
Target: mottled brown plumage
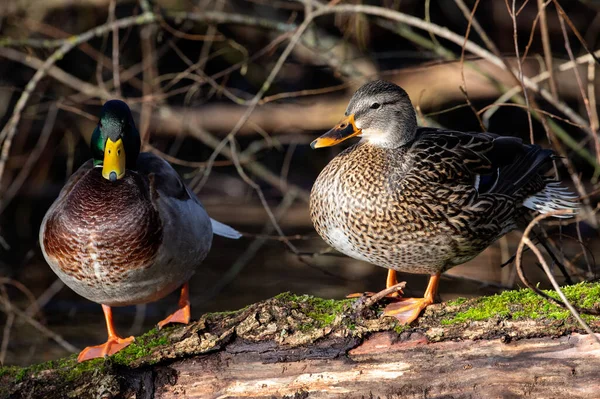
(422,200)
(414,210)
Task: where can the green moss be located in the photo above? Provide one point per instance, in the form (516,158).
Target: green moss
(304,327)
(20,375)
(587,295)
(9,370)
(457,301)
(77,370)
(68,370)
(142,346)
(322,311)
(326,310)
(225,313)
(400,328)
(524,304)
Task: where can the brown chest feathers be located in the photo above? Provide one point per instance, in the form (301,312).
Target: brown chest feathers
(383,207)
(104,229)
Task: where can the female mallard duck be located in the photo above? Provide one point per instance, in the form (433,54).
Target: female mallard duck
(422,200)
(125,229)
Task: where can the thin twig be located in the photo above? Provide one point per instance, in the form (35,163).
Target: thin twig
(579,82)
(513,14)
(564,16)
(470,16)
(10,318)
(261,195)
(463,88)
(147,35)
(38,326)
(16,184)
(565,301)
(501,103)
(45,297)
(255,100)
(287,162)
(373,299)
(190,164)
(547,46)
(115,47)
(525,241)
(591,89)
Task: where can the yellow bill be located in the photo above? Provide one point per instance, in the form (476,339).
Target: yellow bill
(342,131)
(113,167)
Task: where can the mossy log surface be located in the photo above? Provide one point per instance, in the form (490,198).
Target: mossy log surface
(509,345)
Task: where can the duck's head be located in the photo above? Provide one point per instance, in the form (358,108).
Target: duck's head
(116,141)
(380,112)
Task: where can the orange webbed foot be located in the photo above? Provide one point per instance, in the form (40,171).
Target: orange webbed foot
(181,315)
(406,310)
(113,344)
(110,347)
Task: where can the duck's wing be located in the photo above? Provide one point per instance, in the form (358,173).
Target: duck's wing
(167,182)
(485,161)
(496,167)
(164,178)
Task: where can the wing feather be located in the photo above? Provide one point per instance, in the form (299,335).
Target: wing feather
(485,161)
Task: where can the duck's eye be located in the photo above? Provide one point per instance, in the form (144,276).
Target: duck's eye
(119,152)
(109,151)
(375,105)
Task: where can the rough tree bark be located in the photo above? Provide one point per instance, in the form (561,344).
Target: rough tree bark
(513,345)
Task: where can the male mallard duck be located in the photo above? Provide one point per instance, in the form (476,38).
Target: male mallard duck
(125,229)
(423,200)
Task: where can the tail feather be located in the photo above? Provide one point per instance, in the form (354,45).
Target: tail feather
(553,197)
(517,174)
(223,230)
(526,172)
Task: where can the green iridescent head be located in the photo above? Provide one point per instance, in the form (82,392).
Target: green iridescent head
(116,141)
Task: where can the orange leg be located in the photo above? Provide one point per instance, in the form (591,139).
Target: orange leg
(390,281)
(406,310)
(181,315)
(113,344)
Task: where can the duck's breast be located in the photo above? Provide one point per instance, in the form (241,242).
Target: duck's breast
(108,241)
(349,203)
(358,207)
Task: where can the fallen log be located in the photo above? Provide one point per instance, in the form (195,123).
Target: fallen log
(509,345)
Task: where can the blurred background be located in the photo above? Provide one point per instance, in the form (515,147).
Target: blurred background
(258,80)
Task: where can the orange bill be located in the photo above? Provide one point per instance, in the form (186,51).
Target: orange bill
(342,131)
